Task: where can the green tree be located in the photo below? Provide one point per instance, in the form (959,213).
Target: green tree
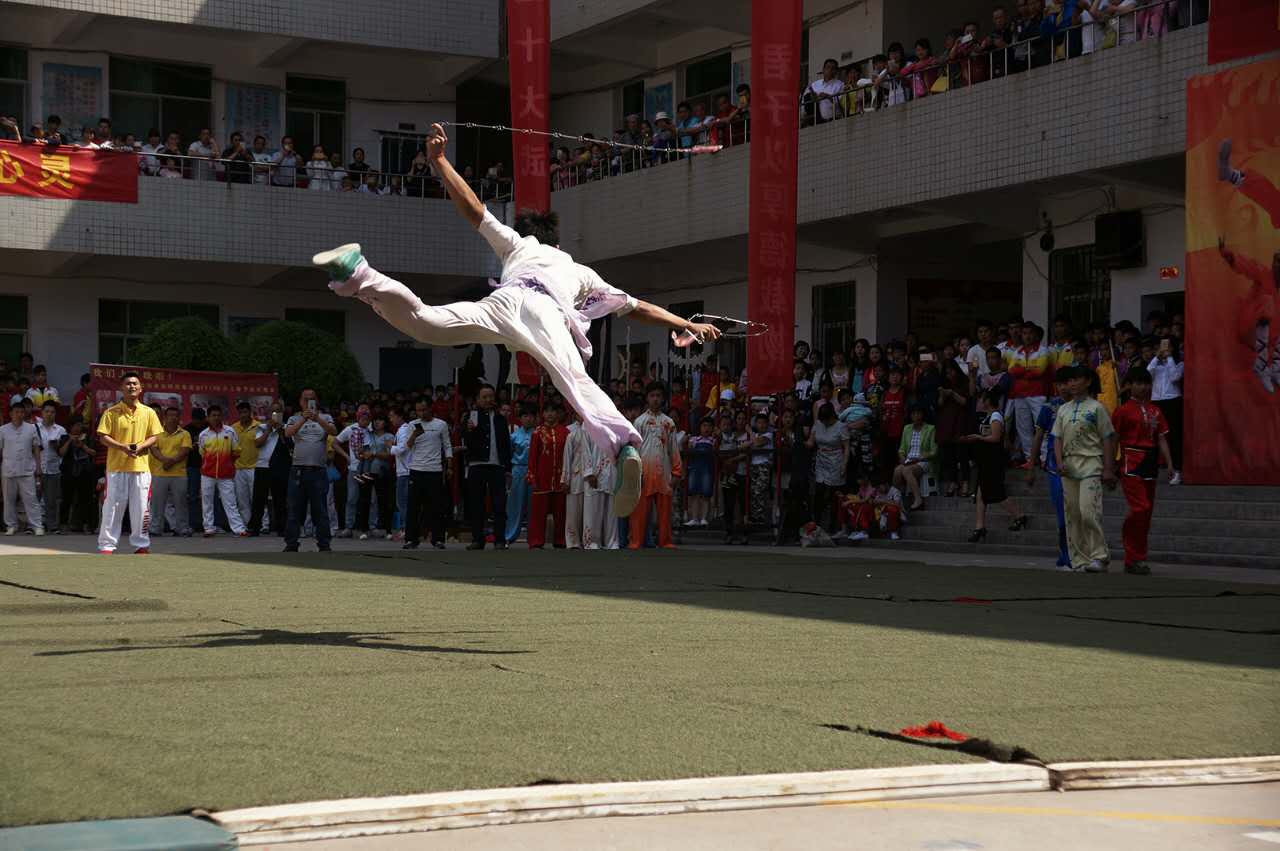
(186,343)
(303,357)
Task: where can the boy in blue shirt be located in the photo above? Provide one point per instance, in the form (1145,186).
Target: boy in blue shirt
(1043,455)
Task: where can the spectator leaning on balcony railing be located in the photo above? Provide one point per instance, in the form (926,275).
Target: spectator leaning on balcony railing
(624,158)
(825,92)
(419,174)
(357,166)
(240,169)
(686,125)
(287,162)
(148,163)
(319,171)
(664,134)
(262,159)
(1001,39)
(339,172)
(923,72)
(207,149)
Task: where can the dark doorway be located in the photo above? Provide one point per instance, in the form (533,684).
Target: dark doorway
(403,369)
(940,310)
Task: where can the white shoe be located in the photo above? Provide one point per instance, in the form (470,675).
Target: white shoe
(364,536)
(10,532)
(1176,478)
(40,533)
(893,536)
(840,536)
(1096,566)
(859,536)
(1066,568)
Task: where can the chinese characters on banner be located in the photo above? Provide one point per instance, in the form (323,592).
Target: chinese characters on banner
(185,389)
(771,239)
(1232,365)
(79,174)
(529,54)
(1241,28)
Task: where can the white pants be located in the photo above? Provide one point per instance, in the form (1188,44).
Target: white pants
(1025,411)
(130,491)
(226,491)
(169,502)
(24,488)
(573,530)
(599,526)
(523,320)
(244,493)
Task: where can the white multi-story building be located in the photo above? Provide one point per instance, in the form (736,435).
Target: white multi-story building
(923,215)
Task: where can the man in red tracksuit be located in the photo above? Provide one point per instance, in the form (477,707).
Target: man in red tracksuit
(1140,430)
(546,471)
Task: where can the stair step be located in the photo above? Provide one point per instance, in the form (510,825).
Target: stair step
(1039,503)
(1047,536)
(1271,562)
(1112,522)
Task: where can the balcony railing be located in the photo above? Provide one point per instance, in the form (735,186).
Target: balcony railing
(869,89)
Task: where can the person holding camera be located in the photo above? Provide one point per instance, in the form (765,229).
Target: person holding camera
(240,167)
(270,475)
(285,164)
(310,431)
(426,445)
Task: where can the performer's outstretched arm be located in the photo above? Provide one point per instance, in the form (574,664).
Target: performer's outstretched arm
(469,206)
(646,312)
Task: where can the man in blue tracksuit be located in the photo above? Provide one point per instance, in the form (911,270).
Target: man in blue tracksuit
(1045,457)
(518,496)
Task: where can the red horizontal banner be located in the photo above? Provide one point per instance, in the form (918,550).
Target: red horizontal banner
(68,173)
(185,389)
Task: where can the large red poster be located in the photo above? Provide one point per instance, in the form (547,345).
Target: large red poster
(1232,384)
(529,55)
(68,173)
(1240,28)
(771,239)
(185,389)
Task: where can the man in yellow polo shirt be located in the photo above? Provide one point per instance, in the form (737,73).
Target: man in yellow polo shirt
(169,474)
(128,429)
(246,429)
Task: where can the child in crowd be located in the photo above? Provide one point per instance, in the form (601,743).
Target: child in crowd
(1141,430)
(803,386)
(661,463)
(1108,378)
(546,478)
(1042,453)
(762,467)
(574,477)
(702,448)
(893,416)
(733,445)
(1085,449)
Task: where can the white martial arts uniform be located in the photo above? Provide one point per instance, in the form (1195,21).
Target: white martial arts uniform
(576,458)
(543,306)
(599,526)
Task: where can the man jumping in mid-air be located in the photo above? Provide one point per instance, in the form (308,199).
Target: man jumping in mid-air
(543,305)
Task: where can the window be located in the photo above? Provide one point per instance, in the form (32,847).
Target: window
(633,98)
(13,328)
(1078,287)
(330,321)
(124,324)
(13,86)
(835,312)
(316,114)
(160,95)
(704,81)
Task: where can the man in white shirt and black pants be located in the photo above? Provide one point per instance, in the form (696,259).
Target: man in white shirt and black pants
(425,445)
(488,441)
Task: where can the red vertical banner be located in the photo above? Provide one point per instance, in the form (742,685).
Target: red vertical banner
(1240,28)
(529,55)
(1231,381)
(771,239)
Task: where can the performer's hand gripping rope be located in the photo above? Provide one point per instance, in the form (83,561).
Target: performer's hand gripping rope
(737,328)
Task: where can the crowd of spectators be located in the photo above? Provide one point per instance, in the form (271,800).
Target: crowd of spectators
(864,438)
(258,162)
(1018,38)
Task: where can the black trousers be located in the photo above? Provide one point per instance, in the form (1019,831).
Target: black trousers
(265,484)
(383,486)
(427,497)
(1172,410)
(487,480)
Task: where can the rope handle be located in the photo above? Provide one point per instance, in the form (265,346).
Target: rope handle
(687,338)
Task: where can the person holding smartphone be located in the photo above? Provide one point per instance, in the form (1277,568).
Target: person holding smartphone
(1166,392)
(308,478)
(270,475)
(427,446)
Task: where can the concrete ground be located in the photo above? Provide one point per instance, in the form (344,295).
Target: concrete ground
(226,545)
(1195,818)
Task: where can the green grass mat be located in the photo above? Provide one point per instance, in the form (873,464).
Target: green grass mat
(144,686)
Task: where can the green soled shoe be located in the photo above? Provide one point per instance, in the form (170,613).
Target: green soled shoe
(626,494)
(340,262)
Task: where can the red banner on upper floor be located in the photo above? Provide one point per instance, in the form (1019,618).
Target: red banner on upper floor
(69,173)
(186,389)
(771,238)
(529,55)
(1240,28)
